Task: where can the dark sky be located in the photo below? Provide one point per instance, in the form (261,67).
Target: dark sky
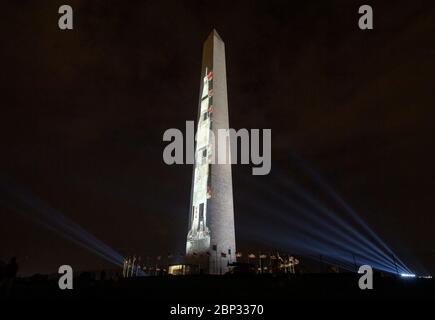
(84,111)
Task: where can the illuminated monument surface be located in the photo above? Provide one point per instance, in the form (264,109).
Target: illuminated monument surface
(211,218)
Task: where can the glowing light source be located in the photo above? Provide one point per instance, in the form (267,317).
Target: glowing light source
(407,275)
(310,227)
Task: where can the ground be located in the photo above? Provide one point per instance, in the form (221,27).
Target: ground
(228,289)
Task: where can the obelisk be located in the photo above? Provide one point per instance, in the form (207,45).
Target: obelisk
(211,230)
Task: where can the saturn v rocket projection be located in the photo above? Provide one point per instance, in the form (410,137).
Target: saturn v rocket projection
(211,219)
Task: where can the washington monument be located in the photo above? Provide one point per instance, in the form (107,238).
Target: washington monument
(211,231)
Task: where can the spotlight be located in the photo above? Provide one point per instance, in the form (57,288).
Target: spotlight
(407,275)
(25,203)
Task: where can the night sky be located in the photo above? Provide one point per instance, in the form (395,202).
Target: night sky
(84,111)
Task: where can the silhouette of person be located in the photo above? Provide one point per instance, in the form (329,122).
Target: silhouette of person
(2,269)
(11,269)
(9,273)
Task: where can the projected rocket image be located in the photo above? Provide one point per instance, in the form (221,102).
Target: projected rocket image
(198,238)
(211,223)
